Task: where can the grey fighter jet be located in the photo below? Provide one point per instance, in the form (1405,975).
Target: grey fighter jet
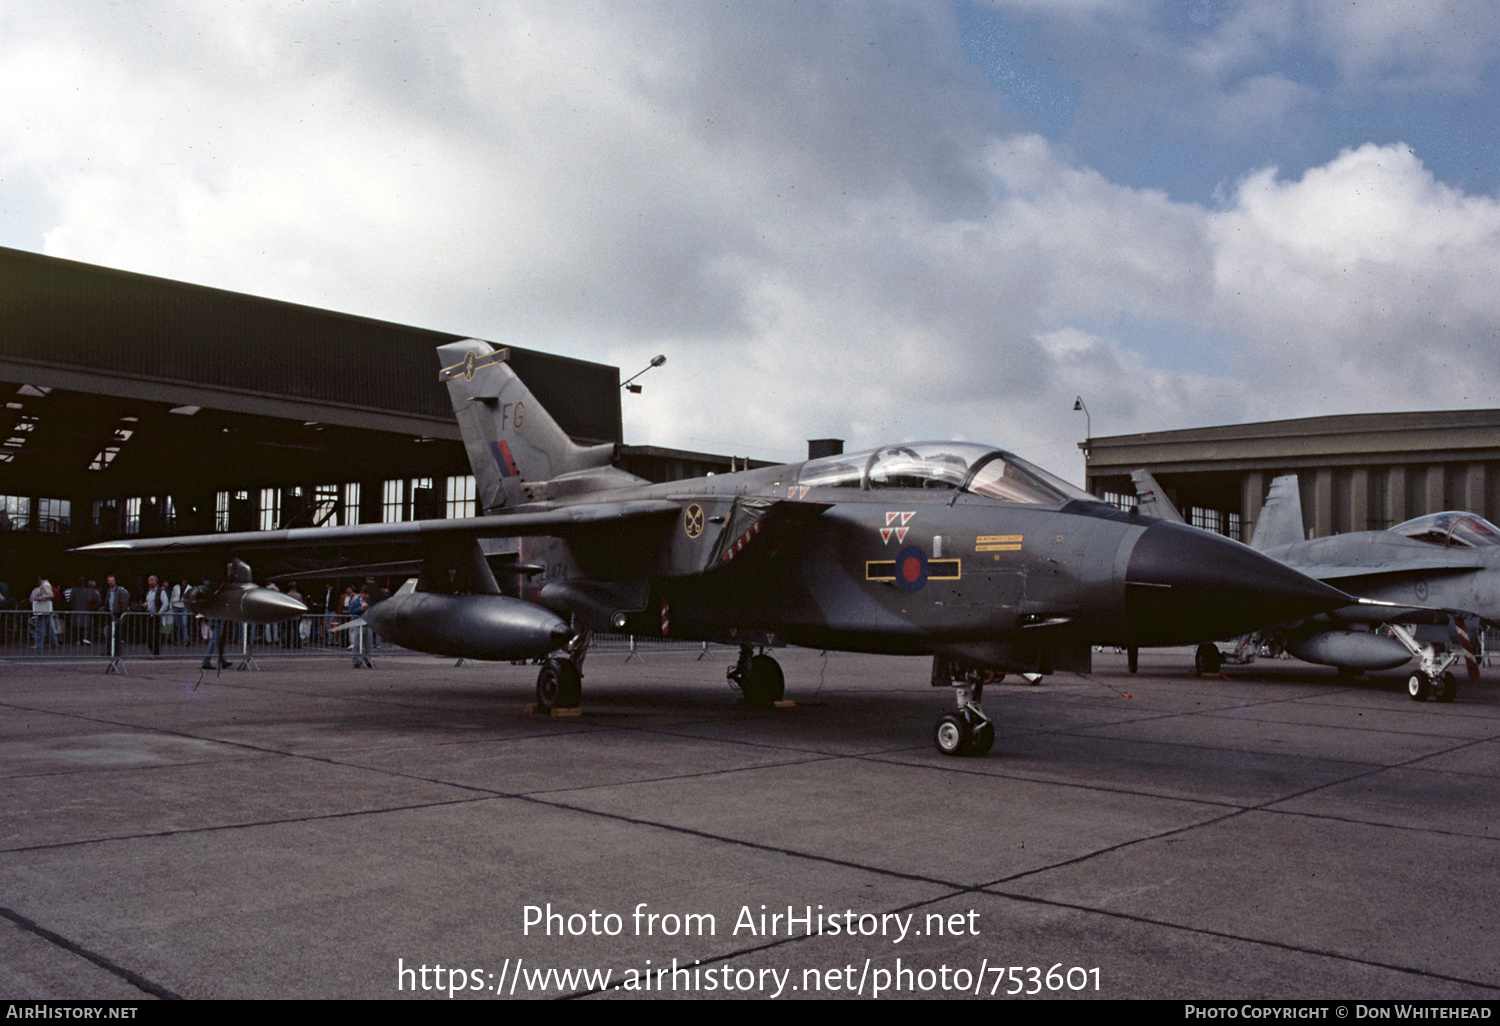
(1416,580)
(959,552)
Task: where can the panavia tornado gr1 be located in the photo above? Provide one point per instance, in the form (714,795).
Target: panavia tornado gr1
(962,553)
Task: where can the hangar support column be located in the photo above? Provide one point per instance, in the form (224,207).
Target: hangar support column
(1359,499)
(1433,494)
(1474,489)
(1395,495)
(1322,488)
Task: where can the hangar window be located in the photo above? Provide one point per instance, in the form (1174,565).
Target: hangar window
(335,505)
(15,511)
(232,511)
(148,514)
(104,457)
(270,509)
(1218,521)
(459,497)
(106,516)
(1207,519)
(326,506)
(20,431)
(54,515)
(410,499)
(393,502)
(122,433)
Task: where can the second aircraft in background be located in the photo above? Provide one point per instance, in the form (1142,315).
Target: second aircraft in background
(1430,583)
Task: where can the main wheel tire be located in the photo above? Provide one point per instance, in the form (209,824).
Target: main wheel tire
(1207,660)
(1419,687)
(1448,690)
(952,735)
(559,685)
(1133,659)
(983,739)
(765,683)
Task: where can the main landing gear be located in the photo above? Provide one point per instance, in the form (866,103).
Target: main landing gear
(968,731)
(758,677)
(560,684)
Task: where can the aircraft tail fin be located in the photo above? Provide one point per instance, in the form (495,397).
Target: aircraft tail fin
(1153,502)
(1280,521)
(509,436)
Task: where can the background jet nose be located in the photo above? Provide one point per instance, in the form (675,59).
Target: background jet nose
(1184,585)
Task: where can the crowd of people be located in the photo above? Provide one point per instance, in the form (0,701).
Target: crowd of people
(165,619)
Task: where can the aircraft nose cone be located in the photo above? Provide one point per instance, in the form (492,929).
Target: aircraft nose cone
(1183,585)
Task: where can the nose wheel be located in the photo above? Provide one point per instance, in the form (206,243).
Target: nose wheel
(968,731)
(958,734)
(1431,679)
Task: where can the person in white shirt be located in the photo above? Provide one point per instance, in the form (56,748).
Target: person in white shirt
(43,630)
(158,604)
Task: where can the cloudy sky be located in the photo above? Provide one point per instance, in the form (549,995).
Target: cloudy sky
(871,221)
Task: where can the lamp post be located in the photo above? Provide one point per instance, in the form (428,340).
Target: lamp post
(656,361)
(1088,434)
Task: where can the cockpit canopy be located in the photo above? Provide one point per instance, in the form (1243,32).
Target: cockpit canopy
(1454,527)
(942,466)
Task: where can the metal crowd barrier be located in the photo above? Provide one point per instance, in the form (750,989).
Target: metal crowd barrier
(70,635)
(150,636)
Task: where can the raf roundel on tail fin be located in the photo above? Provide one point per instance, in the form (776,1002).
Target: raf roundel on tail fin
(508,435)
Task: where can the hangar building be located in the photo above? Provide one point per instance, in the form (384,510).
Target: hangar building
(136,405)
(1356,472)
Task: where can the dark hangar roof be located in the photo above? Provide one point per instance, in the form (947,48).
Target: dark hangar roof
(93,329)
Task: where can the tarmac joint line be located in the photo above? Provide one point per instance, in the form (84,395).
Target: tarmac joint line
(133,978)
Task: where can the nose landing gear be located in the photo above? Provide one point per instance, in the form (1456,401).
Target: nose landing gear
(968,731)
(1432,679)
